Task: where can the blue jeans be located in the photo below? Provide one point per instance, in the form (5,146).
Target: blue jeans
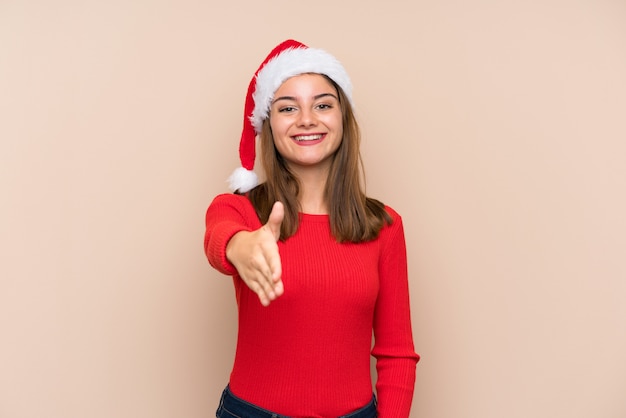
(233,407)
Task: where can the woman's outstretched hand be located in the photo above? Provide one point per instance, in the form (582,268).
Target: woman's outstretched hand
(255,256)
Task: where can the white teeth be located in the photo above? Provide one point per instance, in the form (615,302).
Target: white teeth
(307,137)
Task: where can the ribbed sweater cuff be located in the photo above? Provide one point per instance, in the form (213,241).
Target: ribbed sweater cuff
(216,246)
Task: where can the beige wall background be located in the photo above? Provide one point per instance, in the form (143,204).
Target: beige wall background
(497,129)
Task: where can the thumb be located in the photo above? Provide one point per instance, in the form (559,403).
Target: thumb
(275,219)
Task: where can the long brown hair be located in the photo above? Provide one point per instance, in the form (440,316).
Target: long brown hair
(354,217)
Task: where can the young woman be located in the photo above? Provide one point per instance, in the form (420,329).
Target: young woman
(317,265)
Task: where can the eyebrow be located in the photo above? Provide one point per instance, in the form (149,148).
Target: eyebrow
(316,97)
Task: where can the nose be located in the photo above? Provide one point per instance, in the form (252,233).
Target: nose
(306,118)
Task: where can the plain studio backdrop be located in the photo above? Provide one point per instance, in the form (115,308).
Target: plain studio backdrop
(496,128)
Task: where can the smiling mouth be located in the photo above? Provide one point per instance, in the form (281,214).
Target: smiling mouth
(304,138)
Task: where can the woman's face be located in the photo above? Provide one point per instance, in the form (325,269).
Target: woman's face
(306,122)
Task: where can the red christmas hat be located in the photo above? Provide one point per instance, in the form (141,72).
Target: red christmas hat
(288,59)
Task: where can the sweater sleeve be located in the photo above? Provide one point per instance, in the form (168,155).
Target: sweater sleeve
(393,339)
(227,214)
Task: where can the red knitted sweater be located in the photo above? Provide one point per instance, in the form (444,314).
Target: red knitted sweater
(308,353)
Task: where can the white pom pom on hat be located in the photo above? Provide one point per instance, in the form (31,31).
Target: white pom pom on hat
(288,59)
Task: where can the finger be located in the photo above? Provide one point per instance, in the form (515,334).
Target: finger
(267,262)
(257,288)
(276,219)
(279,289)
(273,224)
(269,281)
(259,275)
(276,267)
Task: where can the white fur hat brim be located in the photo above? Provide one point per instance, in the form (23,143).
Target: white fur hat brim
(287,64)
